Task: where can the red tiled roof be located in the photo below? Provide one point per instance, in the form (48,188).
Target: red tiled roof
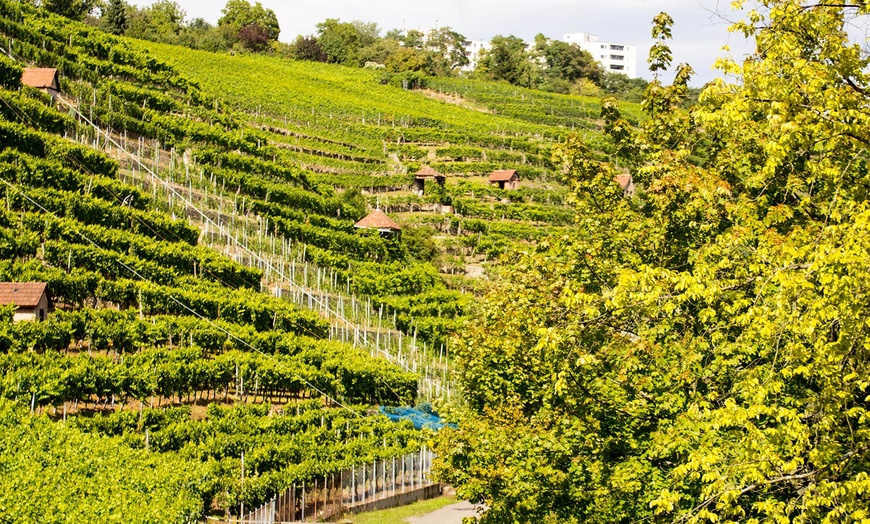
(22,294)
(623,180)
(377,219)
(40,78)
(428,172)
(502,175)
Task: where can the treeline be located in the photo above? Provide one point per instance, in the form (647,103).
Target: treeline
(413,55)
(408,56)
(242,26)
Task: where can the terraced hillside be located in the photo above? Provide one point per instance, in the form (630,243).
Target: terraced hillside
(193,216)
(170,136)
(156,373)
(353,130)
(347,120)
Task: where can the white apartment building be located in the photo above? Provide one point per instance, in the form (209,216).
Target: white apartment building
(616,58)
(473,49)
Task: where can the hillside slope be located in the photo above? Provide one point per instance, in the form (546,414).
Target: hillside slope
(351,130)
(160,364)
(166,189)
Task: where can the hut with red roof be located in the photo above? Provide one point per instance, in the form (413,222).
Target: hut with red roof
(42,78)
(379,220)
(505,179)
(627,184)
(426,173)
(31,300)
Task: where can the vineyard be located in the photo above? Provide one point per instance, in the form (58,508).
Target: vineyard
(221,328)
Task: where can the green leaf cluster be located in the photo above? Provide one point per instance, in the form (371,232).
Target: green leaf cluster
(697,352)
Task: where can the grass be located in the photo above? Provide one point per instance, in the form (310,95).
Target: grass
(401,514)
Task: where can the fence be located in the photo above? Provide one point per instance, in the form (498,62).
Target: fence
(332,495)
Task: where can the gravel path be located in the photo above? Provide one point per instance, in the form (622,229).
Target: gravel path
(451,514)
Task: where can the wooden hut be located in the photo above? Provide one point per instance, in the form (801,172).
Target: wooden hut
(379,220)
(627,184)
(424,174)
(505,179)
(44,79)
(31,300)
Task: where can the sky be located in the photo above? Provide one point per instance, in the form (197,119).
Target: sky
(700,28)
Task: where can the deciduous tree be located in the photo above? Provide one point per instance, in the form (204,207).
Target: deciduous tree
(697,353)
(448,51)
(254,37)
(308,48)
(339,40)
(509,60)
(162,21)
(240,14)
(567,61)
(75,9)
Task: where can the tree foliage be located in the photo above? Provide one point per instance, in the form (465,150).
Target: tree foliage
(162,21)
(308,48)
(619,84)
(339,40)
(240,15)
(114,17)
(697,353)
(254,37)
(250,27)
(565,61)
(508,60)
(75,9)
(549,64)
(446,48)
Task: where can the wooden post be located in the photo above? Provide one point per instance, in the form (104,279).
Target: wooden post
(242,502)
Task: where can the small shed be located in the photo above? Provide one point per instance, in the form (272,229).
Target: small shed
(31,299)
(505,179)
(426,173)
(44,79)
(379,220)
(627,184)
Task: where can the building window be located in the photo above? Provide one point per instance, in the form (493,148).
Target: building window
(602,46)
(616,47)
(615,67)
(617,57)
(602,56)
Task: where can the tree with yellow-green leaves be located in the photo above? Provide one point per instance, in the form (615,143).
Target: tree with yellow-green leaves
(698,352)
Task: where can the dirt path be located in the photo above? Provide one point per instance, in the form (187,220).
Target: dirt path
(452,514)
(454,99)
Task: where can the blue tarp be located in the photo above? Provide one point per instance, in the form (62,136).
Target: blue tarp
(422,416)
